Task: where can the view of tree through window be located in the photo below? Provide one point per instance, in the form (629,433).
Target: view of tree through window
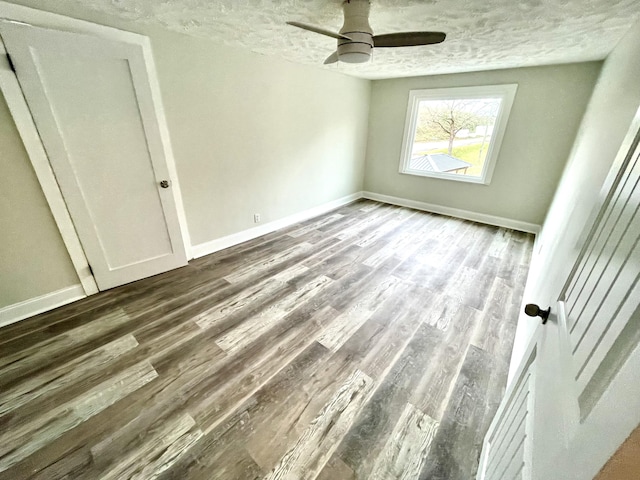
(455,133)
(453,136)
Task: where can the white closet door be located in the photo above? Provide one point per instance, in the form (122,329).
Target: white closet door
(92,104)
(586,358)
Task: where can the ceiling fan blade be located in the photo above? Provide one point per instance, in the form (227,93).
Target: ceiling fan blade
(408,39)
(333,58)
(319,30)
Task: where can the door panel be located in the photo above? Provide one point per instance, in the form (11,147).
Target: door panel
(603,294)
(105,170)
(91,101)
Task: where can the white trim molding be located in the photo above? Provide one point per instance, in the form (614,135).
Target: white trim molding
(40,162)
(455,212)
(33,306)
(28,308)
(218,244)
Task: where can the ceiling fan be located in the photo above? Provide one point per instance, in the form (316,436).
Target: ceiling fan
(356,39)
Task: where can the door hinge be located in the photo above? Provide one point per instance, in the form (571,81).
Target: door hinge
(91,271)
(11,65)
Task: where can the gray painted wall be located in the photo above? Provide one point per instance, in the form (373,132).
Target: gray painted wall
(33,259)
(253,134)
(615,100)
(542,126)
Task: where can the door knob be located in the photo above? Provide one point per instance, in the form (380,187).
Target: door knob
(534,310)
(164,183)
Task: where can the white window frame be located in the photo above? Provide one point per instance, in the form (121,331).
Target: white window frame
(505,92)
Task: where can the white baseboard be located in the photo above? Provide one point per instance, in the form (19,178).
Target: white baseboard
(455,212)
(255,232)
(28,308)
(34,306)
(246,235)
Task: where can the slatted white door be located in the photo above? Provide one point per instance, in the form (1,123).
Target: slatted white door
(507,450)
(586,359)
(97,117)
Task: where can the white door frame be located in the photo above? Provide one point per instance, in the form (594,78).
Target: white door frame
(28,132)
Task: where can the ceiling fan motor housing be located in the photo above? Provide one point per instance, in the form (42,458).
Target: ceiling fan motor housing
(356,27)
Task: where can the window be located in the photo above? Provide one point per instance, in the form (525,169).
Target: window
(455,133)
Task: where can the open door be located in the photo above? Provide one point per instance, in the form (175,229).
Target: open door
(95,112)
(576,395)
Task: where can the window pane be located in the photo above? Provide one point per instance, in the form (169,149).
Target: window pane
(454,136)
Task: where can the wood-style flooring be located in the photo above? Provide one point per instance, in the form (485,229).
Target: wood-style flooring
(371,343)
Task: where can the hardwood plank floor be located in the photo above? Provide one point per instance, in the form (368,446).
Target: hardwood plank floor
(369,343)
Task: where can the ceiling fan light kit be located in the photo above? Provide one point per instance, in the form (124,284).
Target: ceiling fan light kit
(356,50)
(356,40)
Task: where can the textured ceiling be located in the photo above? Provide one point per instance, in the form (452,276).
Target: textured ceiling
(482,34)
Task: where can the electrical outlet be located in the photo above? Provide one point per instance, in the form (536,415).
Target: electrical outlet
(256,218)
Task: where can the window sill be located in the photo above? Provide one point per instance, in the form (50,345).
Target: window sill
(444,176)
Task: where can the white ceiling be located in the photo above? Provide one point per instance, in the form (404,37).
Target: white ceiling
(482,34)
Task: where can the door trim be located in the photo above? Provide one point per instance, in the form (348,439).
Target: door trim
(42,303)
(33,144)
(40,162)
